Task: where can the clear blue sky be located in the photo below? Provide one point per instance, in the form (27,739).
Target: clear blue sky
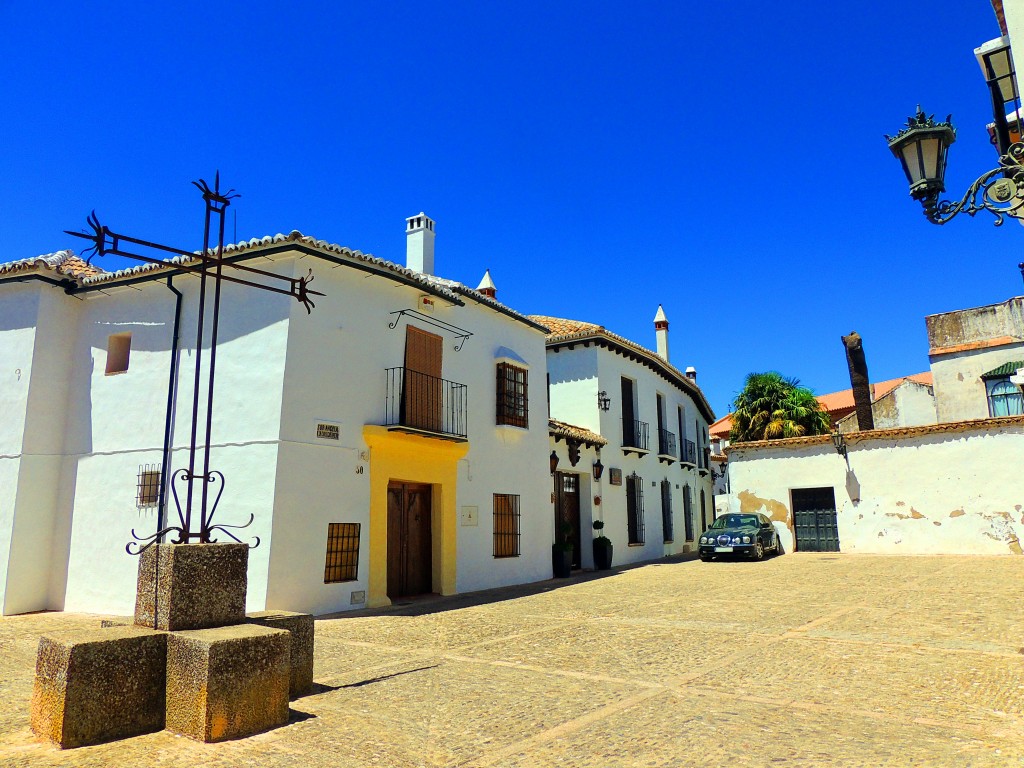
(724,159)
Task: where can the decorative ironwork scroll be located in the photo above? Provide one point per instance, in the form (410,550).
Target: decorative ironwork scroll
(211,267)
(459,333)
(1000,192)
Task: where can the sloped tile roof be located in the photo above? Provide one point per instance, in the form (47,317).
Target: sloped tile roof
(836,404)
(563,330)
(572,432)
(61,262)
(89,276)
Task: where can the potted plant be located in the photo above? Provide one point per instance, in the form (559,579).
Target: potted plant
(561,552)
(602,548)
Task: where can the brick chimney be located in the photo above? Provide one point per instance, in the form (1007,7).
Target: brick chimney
(487,286)
(661,333)
(419,243)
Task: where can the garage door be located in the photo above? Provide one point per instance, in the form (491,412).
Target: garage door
(814,517)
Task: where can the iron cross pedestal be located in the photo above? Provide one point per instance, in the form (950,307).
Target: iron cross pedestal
(208,265)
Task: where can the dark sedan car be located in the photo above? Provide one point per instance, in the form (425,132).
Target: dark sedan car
(744,534)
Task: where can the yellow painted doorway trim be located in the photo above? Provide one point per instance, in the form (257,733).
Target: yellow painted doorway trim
(411,458)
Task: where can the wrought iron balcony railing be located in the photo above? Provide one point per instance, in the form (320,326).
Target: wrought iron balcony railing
(425,403)
(689,452)
(666,443)
(635,434)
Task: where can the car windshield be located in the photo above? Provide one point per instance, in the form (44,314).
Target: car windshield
(734,521)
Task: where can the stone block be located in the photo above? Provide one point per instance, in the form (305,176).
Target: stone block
(300,626)
(228,682)
(97,686)
(191,586)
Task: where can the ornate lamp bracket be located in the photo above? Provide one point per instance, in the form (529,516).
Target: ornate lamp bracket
(999,192)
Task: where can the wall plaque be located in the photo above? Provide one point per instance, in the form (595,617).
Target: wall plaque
(328,431)
(614,476)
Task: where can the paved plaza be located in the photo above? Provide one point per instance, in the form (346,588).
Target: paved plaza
(801,660)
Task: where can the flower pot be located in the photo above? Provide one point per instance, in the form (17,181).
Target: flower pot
(602,554)
(561,562)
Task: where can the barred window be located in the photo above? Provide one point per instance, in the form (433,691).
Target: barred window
(342,553)
(666,510)
(506,525)
(688,512)
(512,405)
(147,486)
(635,508)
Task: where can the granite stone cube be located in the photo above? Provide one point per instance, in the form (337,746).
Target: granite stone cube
(300,626)
(227,682)
(191,586)
(97,686)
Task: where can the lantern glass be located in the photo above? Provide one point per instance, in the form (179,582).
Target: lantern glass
(921,147)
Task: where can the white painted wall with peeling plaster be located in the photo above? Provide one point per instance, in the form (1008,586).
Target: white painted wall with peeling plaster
(959,491)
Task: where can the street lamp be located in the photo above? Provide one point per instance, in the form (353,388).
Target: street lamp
(921,146)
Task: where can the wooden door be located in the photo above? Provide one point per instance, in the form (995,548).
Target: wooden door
(409,540)
(567,510)
(422,393)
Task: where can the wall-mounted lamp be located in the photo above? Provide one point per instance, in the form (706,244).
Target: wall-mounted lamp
(553,462)
(839,441)
(603,401)
(598,469)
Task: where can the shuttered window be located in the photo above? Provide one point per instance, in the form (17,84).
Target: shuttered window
(635,509)
(512,395)
(666,510)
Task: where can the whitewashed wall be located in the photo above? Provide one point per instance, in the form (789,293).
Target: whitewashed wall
(959,390)
(954,489)
(577,375)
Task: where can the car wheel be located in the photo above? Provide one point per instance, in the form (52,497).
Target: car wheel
(758,550)
(705,558)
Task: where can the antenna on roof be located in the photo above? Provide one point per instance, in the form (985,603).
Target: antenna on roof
(234,225)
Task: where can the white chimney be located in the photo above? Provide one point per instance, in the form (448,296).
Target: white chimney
(487,286)
(419,243)
(661,332)
(691,374)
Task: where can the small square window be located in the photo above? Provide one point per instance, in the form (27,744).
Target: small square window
(342,553)
(147,488)
(119,347)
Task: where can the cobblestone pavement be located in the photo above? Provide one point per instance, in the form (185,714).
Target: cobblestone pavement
(801,660)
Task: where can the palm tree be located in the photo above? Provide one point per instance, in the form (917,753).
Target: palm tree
(772,407)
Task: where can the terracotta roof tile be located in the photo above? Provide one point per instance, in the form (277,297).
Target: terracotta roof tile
(572,432)
(837,404)
(62,262)
(562,329)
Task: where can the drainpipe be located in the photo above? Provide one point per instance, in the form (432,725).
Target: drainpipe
(169,418)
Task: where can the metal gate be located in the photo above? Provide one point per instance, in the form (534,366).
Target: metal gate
(815,520)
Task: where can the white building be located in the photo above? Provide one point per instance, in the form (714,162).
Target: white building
(347,434)
(654,492)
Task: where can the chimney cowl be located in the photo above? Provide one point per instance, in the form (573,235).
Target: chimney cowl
(487,286)
(661,333)
(691,373)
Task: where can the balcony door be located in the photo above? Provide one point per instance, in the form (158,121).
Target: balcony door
(421,393)
(629,437)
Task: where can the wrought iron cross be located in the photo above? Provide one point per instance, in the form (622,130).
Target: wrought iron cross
(211,266)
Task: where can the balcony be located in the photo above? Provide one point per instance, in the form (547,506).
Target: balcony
(635,437)
(689,453)
(421,404)
(666,446)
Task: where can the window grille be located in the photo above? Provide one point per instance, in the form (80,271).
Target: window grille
(506,525)
(512,395)
(342,552)
(635,508)
(688,513)
(147,486)
(666,510)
